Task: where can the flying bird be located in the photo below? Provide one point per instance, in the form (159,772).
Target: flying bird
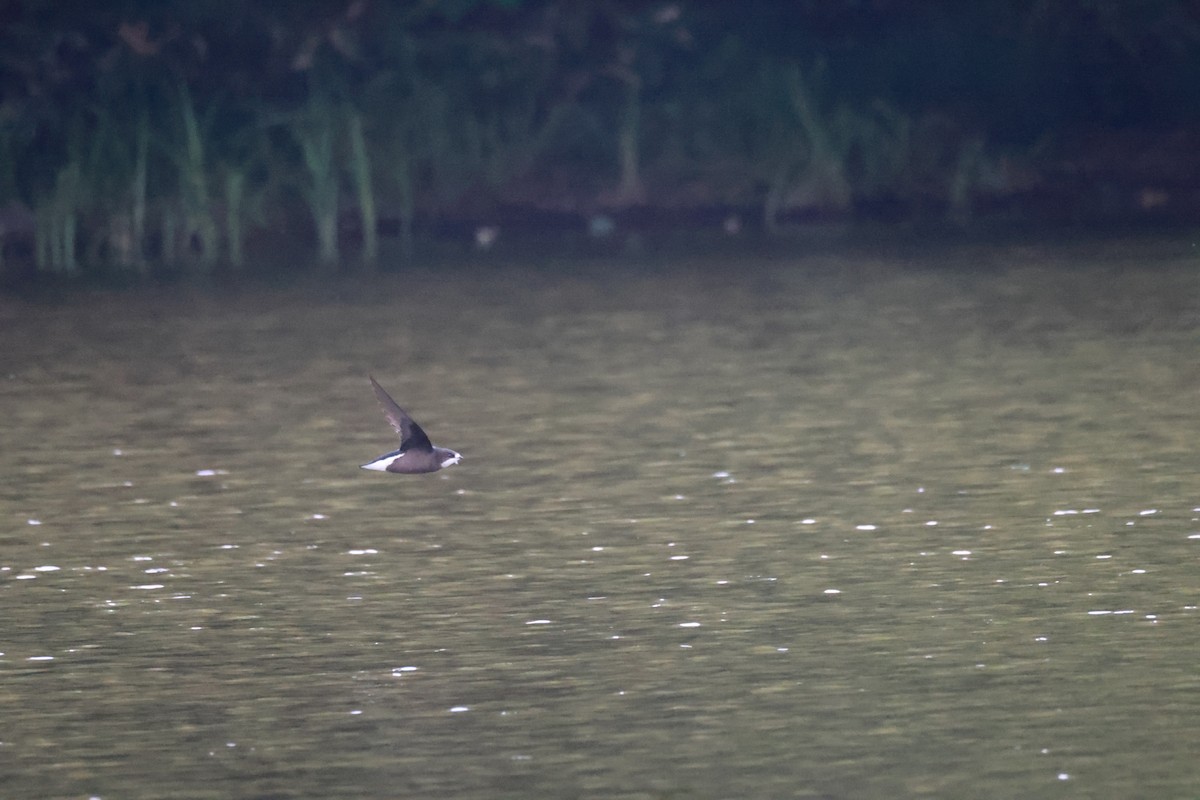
(416,453)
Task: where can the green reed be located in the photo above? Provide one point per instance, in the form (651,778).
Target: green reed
(360,172)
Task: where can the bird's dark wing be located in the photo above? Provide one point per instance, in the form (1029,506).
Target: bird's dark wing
(411,435)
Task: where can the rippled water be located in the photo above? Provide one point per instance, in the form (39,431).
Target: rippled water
(839,527)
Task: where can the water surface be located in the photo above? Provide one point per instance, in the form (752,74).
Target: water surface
(850,526)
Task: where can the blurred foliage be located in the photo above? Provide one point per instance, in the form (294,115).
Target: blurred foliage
(152,134)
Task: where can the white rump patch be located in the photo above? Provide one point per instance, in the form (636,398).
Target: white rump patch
(381,464)
(452,460)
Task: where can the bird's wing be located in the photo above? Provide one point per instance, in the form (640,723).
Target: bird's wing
(411,435)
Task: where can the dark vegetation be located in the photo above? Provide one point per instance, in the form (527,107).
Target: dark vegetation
(217,135)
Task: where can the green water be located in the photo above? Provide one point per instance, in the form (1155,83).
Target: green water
(852,526)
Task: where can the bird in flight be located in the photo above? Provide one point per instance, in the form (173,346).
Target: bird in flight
(416,453)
